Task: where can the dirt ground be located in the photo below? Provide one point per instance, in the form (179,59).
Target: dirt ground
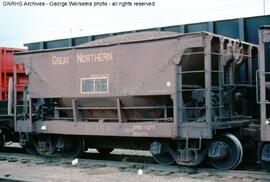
(38,170)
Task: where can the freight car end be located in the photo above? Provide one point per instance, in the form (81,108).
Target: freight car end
(263,95)
(6,84)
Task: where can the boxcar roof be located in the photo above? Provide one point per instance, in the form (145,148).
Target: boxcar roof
(128,38)
(122,39)
(125,38)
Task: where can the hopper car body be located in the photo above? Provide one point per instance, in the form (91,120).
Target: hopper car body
(180,95)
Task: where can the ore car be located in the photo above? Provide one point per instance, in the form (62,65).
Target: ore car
(184,97)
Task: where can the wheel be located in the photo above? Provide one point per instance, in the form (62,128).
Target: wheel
(164,159)
(225,152)
(160,152)
(44,145)
(264,148)
(250,147)
(104,151)
(266,165)
(73,146)
(30,149)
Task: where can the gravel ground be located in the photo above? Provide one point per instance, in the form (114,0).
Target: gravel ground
(43,172)
(38,169)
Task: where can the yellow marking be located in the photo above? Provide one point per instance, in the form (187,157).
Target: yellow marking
(60,60)
(100,57)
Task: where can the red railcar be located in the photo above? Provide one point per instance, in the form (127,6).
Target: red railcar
(6,71)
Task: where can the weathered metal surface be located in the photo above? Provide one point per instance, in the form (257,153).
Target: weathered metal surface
(49,75)
(146,129)
(128,38)
(109,86)
(263,81)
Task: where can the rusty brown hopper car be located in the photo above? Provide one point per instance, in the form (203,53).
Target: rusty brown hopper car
(186,97)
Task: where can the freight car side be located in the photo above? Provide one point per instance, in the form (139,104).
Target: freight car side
(181,95)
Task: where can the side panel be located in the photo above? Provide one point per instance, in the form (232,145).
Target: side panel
(134,69)
(149,129)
